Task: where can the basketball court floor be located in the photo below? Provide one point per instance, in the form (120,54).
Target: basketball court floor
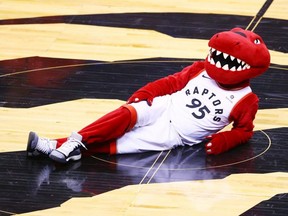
(63,64)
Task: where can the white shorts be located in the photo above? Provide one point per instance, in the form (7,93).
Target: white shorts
(153,130)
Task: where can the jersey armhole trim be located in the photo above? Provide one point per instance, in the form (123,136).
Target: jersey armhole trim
(250,94)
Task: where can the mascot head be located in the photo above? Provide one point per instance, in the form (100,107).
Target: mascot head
(236,56)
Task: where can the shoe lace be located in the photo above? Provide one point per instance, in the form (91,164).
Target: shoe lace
(45,146)
(71,144)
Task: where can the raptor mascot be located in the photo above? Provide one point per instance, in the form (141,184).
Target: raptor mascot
(181,109)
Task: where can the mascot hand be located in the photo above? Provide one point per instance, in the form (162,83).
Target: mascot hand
(216,144)
(141,96)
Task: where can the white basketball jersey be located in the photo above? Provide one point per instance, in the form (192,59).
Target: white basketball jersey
(202,108)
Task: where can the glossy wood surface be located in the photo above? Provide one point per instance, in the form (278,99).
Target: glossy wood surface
(64,64)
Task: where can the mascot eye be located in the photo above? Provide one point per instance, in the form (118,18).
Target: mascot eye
(257,41)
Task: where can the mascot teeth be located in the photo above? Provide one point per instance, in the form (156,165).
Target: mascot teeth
(226,61)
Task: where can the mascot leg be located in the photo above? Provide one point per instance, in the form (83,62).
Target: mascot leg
(101,135)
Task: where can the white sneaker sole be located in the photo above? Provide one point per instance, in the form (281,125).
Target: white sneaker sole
(31,145)
(60,158)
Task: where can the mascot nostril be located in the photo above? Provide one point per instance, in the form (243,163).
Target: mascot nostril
(241,33)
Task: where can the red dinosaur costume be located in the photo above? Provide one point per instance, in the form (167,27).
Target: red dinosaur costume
(191,105)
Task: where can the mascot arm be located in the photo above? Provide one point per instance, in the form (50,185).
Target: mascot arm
(166,85)
(242,130)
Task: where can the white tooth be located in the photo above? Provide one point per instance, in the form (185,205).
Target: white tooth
(248,66)
(218,52)
(233,68)
(213,49)
(238,60)
(232,58)
(212,61)
(239,68)
(245,67)
(218,64)
(225,67)
(209,58)
(225,55)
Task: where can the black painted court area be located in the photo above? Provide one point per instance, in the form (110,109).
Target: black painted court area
(30,184)
(44,184)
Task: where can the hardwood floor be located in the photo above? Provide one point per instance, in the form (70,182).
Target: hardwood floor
(64,64)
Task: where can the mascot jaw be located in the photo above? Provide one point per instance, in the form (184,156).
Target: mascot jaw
(225,61)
